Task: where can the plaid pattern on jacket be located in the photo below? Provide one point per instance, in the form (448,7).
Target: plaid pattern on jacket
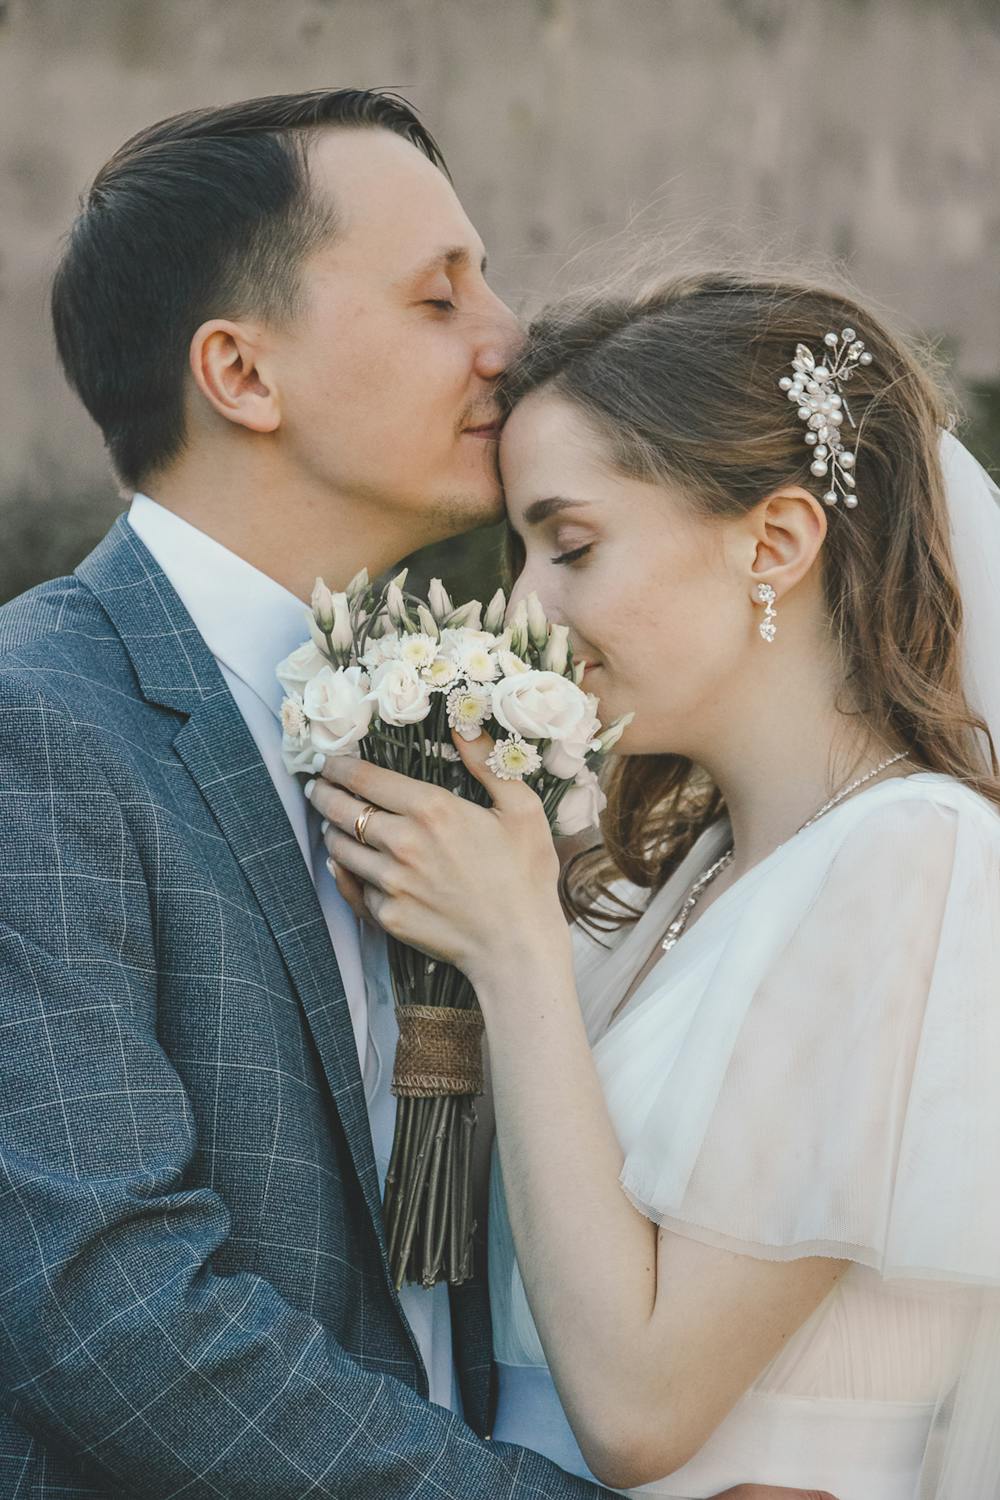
(194,1293)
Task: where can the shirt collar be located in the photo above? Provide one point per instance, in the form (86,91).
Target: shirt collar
(248,621)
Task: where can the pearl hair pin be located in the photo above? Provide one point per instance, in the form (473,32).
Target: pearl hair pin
(816,390)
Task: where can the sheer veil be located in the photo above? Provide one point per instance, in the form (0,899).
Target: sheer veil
(974,511)
(963,1457)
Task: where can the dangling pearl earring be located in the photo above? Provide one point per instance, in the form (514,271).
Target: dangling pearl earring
(767,596)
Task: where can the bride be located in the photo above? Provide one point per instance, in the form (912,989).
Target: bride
(744,1222)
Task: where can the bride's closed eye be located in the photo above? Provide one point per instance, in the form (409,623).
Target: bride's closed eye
(568,557)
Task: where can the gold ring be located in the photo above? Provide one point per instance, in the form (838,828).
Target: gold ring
(361,823)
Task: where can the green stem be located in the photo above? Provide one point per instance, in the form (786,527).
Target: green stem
(421,1167)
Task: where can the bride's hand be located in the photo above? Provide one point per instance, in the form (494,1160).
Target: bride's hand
(468,884)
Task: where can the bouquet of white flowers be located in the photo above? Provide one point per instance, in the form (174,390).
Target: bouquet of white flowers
(387,676)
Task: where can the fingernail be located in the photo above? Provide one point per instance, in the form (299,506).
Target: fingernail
(324,825)
(331,867)
(309,786)
(319,761)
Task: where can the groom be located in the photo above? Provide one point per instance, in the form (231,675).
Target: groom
(277,314)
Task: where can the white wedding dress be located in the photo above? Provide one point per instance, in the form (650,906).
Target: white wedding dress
(814,1069)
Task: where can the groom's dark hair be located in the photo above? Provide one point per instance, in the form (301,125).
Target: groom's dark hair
(206,214)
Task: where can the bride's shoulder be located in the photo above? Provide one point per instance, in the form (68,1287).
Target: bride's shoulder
(902,853)
(919,810)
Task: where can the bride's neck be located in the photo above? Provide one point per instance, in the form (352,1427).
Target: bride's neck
(777,762)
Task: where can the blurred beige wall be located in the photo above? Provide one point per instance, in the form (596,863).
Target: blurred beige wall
(866,129)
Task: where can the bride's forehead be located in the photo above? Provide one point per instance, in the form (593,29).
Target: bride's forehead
(549,448)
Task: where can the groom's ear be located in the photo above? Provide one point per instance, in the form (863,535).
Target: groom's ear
(229,369)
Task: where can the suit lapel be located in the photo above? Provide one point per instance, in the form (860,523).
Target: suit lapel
(177,671)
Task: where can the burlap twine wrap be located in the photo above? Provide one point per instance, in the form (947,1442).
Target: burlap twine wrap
(439,1051)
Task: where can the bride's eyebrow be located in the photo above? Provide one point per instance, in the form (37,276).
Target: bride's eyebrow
(540,510)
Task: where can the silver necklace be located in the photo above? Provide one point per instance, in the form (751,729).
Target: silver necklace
(677,926)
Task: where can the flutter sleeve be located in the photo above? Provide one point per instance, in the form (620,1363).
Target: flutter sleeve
(835,1092)
(836,1087)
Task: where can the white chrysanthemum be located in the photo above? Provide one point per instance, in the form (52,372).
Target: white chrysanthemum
(441,750)
(458,638)
(469,706)
(440,673)
(419,650)
(476,662)
(386,648)
(513,759)
(293,717)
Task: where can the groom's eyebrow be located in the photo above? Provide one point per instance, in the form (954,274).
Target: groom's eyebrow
(540,510)
(458,258)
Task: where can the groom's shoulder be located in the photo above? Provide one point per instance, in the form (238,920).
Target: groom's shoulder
(57,642)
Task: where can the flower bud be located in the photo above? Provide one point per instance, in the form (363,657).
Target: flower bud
(518,625)
(428,624)
(466,617)
(439,601)
(322,605)
(608,738)
(538,625)
(495,611)
(358,585)
(341,632)
(556,653)
(396,605)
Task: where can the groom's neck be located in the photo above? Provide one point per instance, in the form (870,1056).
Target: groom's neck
(286,526)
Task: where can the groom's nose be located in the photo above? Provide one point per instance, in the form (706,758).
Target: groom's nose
(499,346)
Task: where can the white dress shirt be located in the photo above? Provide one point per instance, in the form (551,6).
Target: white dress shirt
(250,623)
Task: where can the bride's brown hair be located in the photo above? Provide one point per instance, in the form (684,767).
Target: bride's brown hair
(682,384)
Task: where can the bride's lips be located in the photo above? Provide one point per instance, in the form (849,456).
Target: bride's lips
(489,430)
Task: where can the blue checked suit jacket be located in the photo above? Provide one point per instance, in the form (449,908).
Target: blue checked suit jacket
(194,1292)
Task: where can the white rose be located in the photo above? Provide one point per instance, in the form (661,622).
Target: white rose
(295,671)
(566,758)
(399,693)
(540,706)
(337,706)
(581,806)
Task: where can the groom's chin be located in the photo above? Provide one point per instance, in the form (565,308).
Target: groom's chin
(462,513)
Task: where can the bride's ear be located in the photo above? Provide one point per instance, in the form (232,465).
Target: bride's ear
(785,534)
(229,368)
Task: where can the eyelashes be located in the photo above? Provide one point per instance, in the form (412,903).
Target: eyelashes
(441,303)
(568,557)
